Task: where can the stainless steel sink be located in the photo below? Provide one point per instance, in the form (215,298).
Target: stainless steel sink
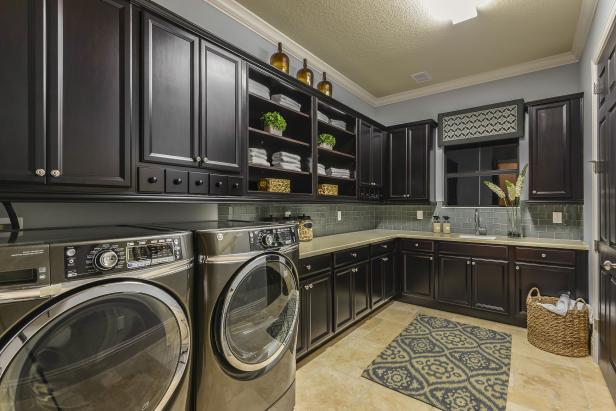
(478,237)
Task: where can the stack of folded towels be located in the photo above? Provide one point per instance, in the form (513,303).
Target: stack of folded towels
(286,101)
(321,116)
(288,161)
(258,89)
(338,172)
(320,167)
(258,157)
(338,123)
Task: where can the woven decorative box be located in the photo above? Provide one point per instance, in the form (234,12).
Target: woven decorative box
(328,189)
(275,185)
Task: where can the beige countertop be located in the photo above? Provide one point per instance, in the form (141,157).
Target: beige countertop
(337,242)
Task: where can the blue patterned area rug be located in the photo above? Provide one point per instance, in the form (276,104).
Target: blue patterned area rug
(449,365)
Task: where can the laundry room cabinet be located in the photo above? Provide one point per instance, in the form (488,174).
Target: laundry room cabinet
(315,324)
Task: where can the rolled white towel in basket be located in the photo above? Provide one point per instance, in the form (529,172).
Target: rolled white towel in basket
(563,305)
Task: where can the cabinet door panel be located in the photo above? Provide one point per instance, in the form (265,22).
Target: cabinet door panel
(550,280)
(377,281)
(376,159)
(398,157)
(389,277)
(361,289)
(454,280)
(365,135)
(22,133)
(490,283)
(170,93)
(419,166)
(319,309)
(89,98)
(221,82)
(418,271)
(343,297)
(301,345)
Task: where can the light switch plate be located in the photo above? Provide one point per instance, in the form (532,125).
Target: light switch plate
(419,214)
(287,214)
(557,217)
(339,215)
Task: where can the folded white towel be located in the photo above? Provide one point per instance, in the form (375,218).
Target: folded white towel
(563,305)
(321,116)
(334,170)
(258,155)
(338,123)
(287,166)
(284,154)
(257,150)
(259,162)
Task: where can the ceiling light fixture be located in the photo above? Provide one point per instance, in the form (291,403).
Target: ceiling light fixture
(455,10)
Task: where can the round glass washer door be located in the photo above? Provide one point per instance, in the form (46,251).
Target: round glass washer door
(117,346)
(260,313)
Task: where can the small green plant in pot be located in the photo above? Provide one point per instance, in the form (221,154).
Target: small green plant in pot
(327,141)
(274,123)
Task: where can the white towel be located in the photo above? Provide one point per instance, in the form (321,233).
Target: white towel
(257,150)
(257,155)
(259,162)
(338,171)
(563,305)
(338,123)
(321,116)
(284,154)
(288,166)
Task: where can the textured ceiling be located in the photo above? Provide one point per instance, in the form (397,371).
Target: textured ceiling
(379,43)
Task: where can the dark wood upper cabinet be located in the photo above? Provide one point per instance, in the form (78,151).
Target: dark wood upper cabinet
(22,74)
(371,142)
(170,93)
(420,146)
(556,149)
(398,164)
(221,82)
(89,98)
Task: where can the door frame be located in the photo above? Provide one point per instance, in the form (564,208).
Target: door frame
(594,275)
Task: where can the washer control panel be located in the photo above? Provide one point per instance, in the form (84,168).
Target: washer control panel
(272,238)
(111,257)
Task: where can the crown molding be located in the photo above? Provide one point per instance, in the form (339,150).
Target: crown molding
(247,18)
(606,32)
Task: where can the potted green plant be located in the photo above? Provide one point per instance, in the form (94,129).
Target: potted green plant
(511,200)
(327,141)
(274,123)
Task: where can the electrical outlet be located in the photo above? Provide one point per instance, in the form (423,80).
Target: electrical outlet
(557,217)
(419,214)
(339,215)
(287,214)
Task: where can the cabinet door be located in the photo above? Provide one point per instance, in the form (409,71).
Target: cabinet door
(377,281)
(376,159)
(343,297)
(550,151)
(398,164)
(389,276)
(490,285)
(361,289)
(301,345)
(365,136)
(319,309)
(170,93)
(454,280)
(550,280)
(419,162)
(221,129)
(418,275)
(22,110)
(90,92)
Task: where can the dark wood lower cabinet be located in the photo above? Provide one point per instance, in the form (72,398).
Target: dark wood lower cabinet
(382,281)
(417,275)
(361,289)
(315,324)
(454,280)
(343,297)
(490,285)
(549,279)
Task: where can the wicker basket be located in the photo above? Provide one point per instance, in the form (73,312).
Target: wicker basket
(328,189)
(275,185)
(563,335)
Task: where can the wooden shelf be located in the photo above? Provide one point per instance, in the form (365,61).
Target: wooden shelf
(337,178)
(278,105)
(333,127)
(335,197)
(277,138)
(336,153)
(279,169)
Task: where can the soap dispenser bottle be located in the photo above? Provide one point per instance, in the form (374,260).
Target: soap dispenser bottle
(436,224)
(446,225)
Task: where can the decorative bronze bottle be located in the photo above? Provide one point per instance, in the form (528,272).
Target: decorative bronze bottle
(325,86)
(305,75)
(280,60)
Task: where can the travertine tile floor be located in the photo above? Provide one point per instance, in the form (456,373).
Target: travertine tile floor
(330,379)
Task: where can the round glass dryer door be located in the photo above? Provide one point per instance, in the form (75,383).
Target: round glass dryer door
(118,346)
(260,313)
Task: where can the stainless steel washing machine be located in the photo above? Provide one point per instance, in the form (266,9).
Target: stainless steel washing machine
(247,309)
(95,318)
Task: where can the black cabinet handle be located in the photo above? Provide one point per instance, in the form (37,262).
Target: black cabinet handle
(199,182)
(153,179)
(219,184)
(177,181)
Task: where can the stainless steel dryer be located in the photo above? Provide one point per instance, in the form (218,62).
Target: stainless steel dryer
(246,313)
(95,318)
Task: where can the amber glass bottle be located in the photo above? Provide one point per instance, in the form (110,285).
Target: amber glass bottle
(280,60)
(305,75)
(325,86)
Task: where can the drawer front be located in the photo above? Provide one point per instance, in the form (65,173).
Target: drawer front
(236,186)
(176,181)
(218,184)
(351,256)
(417,245)
(198,183)
(151,180)
(545,255)
(496,252)
(382,248)
(313,265)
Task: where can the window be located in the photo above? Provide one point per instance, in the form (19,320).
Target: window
(467,166)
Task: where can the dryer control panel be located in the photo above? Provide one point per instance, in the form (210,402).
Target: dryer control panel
(112,257)
(267,238)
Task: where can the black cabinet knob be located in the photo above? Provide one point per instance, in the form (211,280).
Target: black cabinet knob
(219,184)
(153,179)
(199,182)
(177,181)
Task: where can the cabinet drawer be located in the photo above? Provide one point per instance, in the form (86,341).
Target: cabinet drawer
(198,183)
(176,181)
(382,248)
(545,255)
(352,255)
(311,265)
(496,252)
(236,186)
(218,184)
(151,180)
(417,245)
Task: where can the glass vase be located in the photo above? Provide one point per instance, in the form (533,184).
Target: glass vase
(514,222)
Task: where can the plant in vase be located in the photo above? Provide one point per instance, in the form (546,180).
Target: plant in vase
(327,141)
(512,202)
(273,123)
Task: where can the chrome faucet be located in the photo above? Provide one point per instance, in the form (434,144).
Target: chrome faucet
(479,230)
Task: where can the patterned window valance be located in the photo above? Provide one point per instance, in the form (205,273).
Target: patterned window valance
(485,123)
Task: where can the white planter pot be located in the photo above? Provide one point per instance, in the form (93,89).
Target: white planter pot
(273,130)
(327,146)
